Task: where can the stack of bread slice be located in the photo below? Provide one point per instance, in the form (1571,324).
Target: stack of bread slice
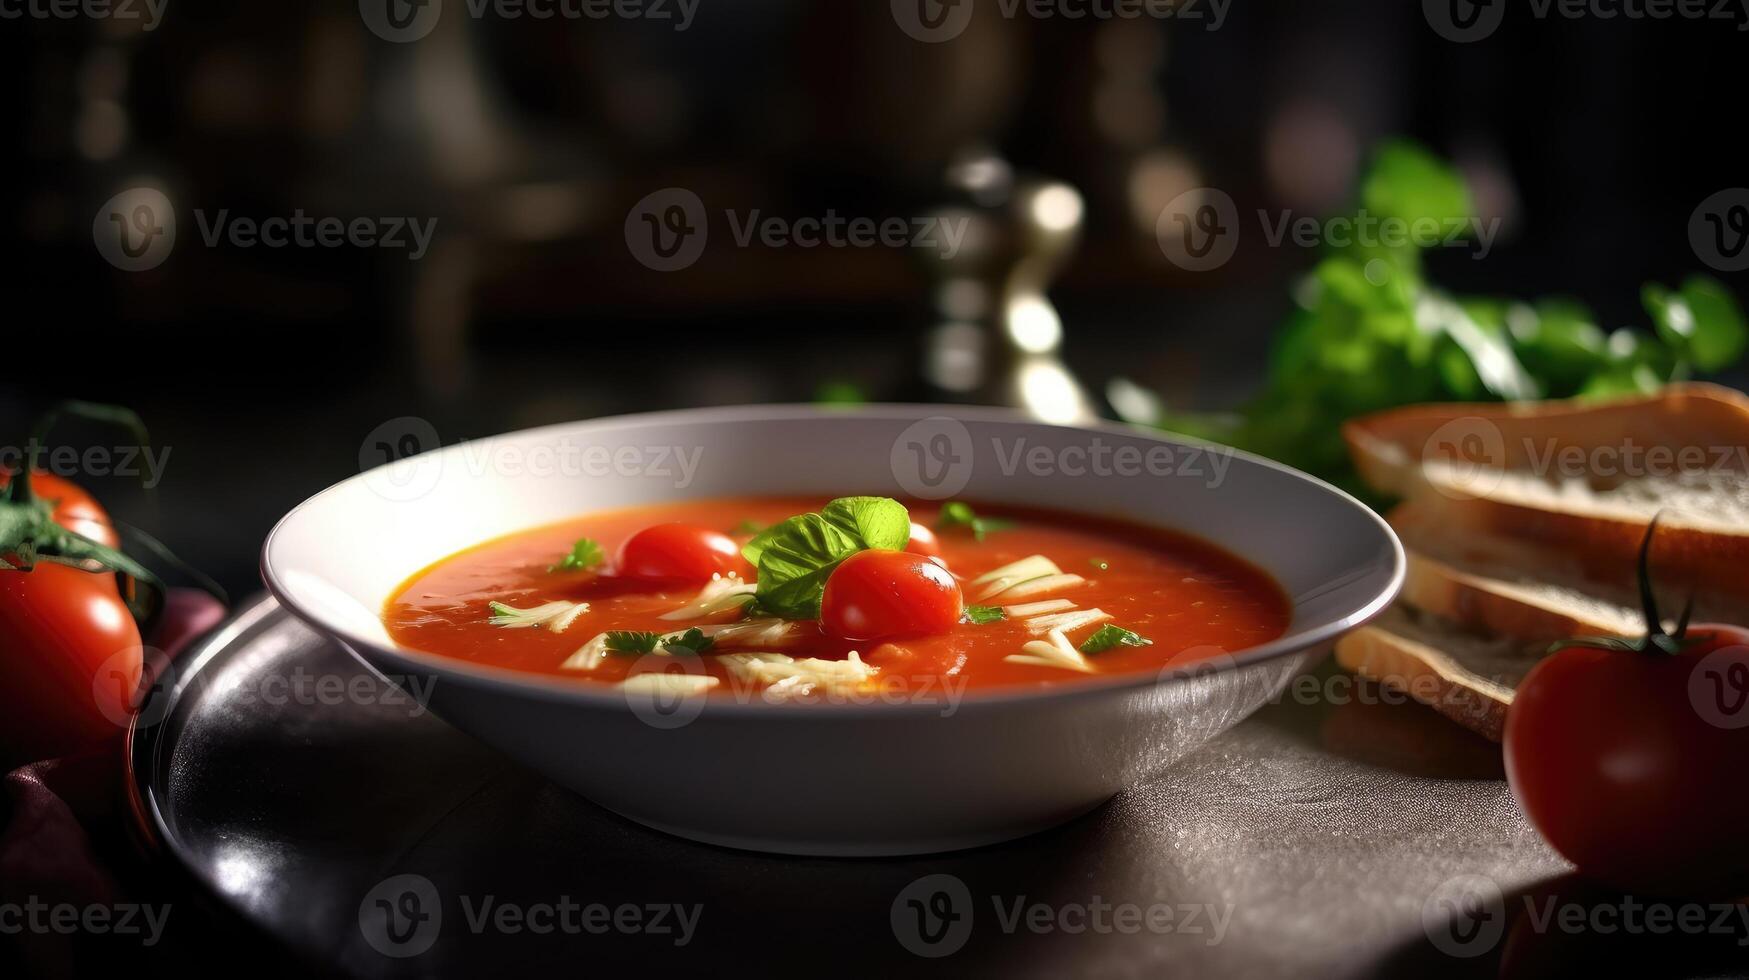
(1522,524)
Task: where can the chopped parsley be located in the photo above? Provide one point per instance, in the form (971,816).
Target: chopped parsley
(957,515)
(584,554)
(981,615)
(632,641)
(690,643)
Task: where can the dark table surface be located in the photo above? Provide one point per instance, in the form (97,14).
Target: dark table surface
(1337,832)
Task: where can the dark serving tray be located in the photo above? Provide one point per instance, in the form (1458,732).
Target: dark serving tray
(1329,835)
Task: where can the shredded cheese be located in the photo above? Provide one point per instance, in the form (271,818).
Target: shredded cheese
(589,656)
(660,683)
(1056,651)
(1031,587)
(1067,622)
(752,632)
(1027,609)
(719,594)
(1031,566)
(787,678)
(556,616)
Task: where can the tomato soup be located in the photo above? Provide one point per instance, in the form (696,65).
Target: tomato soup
(1072,598)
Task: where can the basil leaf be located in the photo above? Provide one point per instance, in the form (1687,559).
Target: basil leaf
(1109,636)
(1701,320)
(881,523)
(796,557)
(982,615)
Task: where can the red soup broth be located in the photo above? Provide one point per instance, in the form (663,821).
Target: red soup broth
(1193,600)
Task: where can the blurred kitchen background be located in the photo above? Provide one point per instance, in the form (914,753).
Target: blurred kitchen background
(531,143)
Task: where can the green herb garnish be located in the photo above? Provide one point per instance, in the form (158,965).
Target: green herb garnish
(632,641)
(796,557)
(690,643)
(1373,332)
(981,615)
(956,515)
(1100,564)
(1108,636)
(747,526)
(584,554)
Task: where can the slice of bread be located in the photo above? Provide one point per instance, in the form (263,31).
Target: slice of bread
(1499,586)
(1464,676)
(1581,479)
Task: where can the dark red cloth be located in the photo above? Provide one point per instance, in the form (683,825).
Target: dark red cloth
(63,821)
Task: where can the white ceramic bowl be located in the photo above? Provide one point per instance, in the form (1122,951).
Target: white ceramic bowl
(910,775)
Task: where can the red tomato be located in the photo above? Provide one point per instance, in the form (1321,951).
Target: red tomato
(681,553)
(1630,763)
(878,594)
(71,659)
(75,510)
(923,542)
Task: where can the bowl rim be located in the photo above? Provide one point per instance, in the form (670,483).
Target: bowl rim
(587,694)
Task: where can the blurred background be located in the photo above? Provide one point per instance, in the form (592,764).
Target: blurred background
(558,164)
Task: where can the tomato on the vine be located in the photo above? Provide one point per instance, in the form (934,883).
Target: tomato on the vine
(72,655)
(1628,755)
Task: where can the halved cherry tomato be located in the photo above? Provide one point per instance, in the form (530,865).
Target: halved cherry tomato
(923,542)
(681,553)
(71,655)
(878,594)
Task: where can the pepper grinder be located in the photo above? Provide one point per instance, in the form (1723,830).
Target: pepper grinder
(996,338)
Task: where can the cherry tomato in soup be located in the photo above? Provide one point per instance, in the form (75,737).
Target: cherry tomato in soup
(877,594)
(681,553)
(1629,762)
(923,542)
